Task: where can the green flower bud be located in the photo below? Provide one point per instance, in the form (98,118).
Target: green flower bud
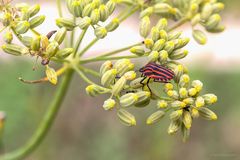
(162,104)
(130,75)
(108,77)
(148,43)
(143,99)
(158,45)
(35,44)
(175,115)
(135,84)
(210,98)
(153,56)
(128,99)
(155,117)
(22,27)
(217,29)
(111,5)
(8,37)
(217,7)
(138,50)
(155,34)
(22,6)
(51,75)
(180,43)
(185,133)
(52,49)
(197,85)
(64,53)
(95,16)
(70,6)
(60,35)
(84,23)
(146,12)
(24,14)
(169,46)
(94,90)
(109,104)
(14,49)
(184,80)
(178,104)
(123,66)
(36,21)
(199,102)
(27,41)
(163,56)
(178,71)
(33,10)
(206,11)
(112,25)
(207,114)
(168,86)
(104,13)
(178,54)
(77,8)
(194,113)
(163,35)
(189,101)
(144,26)
(87,10)
(64,22)
(44,41)
(213,21)
(174,127)
(176,13)
(196,19)
(194,8)
(187,119)
(162,8)
(118,86)
(173,94)
(126,118)
(6,19)
(100,32)
(162,24)
(183,92)
(199,37)
(192,92)
(174,35)
(106,66)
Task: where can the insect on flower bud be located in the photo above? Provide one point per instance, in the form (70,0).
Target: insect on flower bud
(213,21)
(163,56)
(175,115)
(14,49)
(162,24)
(144,26)
(210,98)
(155,117)
(148,43)
(112,25)
(162,104)
(187,119)
(33,10)
(52,49)
(206,11)
(35,44)
(126,118)
(178,104)
(207,114)
(138,50)
(194,113)
(130,75)
(100,32)
(22,27)
(118,86)
(111,5)
(178,54)
(123,66)
(64,53)
(85,22)
(36,21)
(95,16)
(128,99)
(105,67)
(184,80)
(104,13)
(199,102)
(158,45)
(60,35)
(108,77)
(51,75)
(198,85)
(143,99)
(109,104)
(64,22)
(146,12)
(174,127)
(8,37)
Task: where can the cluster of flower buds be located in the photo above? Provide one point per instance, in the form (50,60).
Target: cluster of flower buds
(185,103)
(90,13)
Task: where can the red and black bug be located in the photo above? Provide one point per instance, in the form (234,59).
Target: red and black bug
(157,72)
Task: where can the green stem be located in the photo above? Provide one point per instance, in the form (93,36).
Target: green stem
(35,32)
(79,41)
(178,24)
(90,71)
(73,31)
(59,8)
(46,123)
(133,10)
(17,35)
(3,29)
(87,47)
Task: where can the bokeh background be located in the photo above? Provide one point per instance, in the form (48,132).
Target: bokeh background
(83,131)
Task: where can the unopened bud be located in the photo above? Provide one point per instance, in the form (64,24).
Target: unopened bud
(183,93)
(174,127)
(163,35)
(194,113)
(100,32)
(60,35)
(197,84)
(213,21)
(130,75)
(64,22)
(36,43)
(196,19)
(155,117)
(217,7)
(138,50)
(144,26)
(187,119)
(143,98)
(64,53)
(146,12)
(128,99)
(207,114)
(184,80)
(163,56)
(77,8)
(118,86)
(94,90)
(188,101)
(109,104)
(162,8)
(148,43)
(33,10)
(155,34)
(199,102)
(173,94)
(169,46)
(162,24)
(8,37)
(178,54)
(106,66)
(158,45)
(87,10)
(175,115)
(51,75)
(95,16)
(112,25)
(162,104)
(84,22)
(178,104)
(14,49)
(123,66)
(108,77)
(36,21)
(126,118)
(104,13)
(174,35)
(111,5)
(22,27)
(192,92)
(210,98)
(135,84)
(52,49)
(153,56)
(206,11)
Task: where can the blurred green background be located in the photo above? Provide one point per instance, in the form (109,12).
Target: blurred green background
(83,131)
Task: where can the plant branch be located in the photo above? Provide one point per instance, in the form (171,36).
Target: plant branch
(87,47)
(59,6)
(90,71)
(79,41)
(178,24)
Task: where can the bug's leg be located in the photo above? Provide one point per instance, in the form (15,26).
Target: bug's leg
(141,82)
(148,85)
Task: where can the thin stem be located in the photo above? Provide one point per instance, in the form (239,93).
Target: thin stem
(59,6)
(35,32)
(73,31)
(79,41)
(46,123)
(18,36)
(88,46)
(3,29)
(82,75)
(178,24)
(133,10)
(90,71)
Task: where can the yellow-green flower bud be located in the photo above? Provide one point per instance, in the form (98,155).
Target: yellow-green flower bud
(22,6)
(64,22)
(36,43)
(153,56)
(194,113)
(44,42)
(199,102)
(187,119)
(144,26)
(178,54)
(111,5)
(169,47)
(135,84)
(104,13)
(8,37)
(138,50)
(175,115)
(130,75)
(126,118)
(27,41)
(146,12)
(52,49)
(51,75)
(118,86)
(210,98)
(22,27)
(196,19)
(6,19)
(24,14)
(217,29)
(36,21)
(174,35)
(217,7)
(163,56)
(163,34)
(155,117)
(174,127)
(112,25)
(77,8)
(197,84)
(128,99)
(106,66)
(183,93)
(109,104)
(95,3)
(207,114)
(108,77)
(155,34)
(206,11)
(189,101)
(33,10)
(123,66)
(168,86)
(64,53)
(14,49)
(178,104)
(162,104)
(194,8)
(178,71)
(100,32)
(173,94)
(148,43)
(185,133)
(213,21)
(192,92)
(158,45)
(95,16)
(87,10)
(180,43)
(143,99)
(162,8)
(60,35)
(184,80)
(162,24)
(85,22)
(94,90)
(176,13)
